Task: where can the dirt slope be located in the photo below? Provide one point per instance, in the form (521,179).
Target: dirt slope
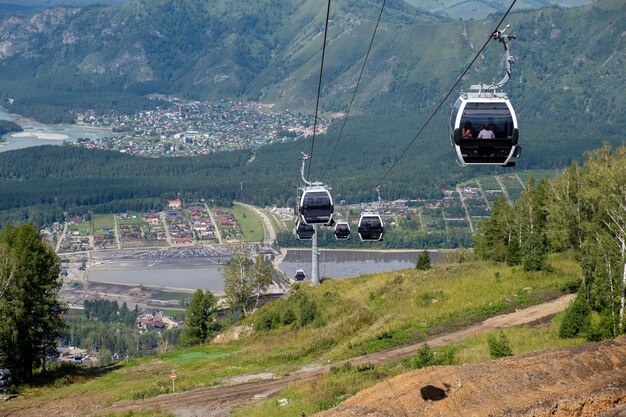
(584,381)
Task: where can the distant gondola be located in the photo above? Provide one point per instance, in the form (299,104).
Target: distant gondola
(371,228)
(342,230)
(316,205)
(303,231)
(300,275)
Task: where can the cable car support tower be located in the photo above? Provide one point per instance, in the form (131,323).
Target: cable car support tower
(315,266)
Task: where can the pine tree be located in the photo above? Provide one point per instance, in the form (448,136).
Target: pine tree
(513,252)
(31,315)
(577,318)
(423,261)
(200,322)
(534,252)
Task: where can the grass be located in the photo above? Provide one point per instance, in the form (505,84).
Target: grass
(141,413)
(350,317)
(489,183)
(171,295)
(195,356)
(538,174)
(130,221)
(250,224)
(176,314)
(102,221)
(512,185)
(83,228)
(278,224)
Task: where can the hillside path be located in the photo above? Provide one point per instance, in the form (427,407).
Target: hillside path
(504,190)
(117,233)
(207,401)
(60,239)
(467,213)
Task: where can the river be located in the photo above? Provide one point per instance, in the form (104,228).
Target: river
(206,273)
(38,134)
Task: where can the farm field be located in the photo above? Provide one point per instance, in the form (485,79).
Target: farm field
(249,223)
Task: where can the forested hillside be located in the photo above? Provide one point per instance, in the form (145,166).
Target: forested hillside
(584,210)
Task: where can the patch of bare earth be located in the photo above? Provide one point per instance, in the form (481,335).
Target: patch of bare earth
(584,381)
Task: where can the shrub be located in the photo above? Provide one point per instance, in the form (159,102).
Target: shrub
(577,319)
(308,310)
(423,261)
(601,330)
(288,316)
(267,320)
(499,347)
(425,357)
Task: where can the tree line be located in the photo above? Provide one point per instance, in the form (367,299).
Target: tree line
(581,210)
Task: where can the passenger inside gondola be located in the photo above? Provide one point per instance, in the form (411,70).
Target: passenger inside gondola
(468,131)
(486,133)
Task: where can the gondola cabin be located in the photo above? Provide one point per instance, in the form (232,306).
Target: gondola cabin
(300,275)
(483,130)
(303,231)
(371,228)
(342,230)
(316,205)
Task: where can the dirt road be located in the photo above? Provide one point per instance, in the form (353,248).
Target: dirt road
(217,401)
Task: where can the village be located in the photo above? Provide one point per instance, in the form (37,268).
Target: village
(190,128)
(194,224)
(198,224)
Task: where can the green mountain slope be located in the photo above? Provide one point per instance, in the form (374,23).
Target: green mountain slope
(478,9)
(567,89)
(569,61)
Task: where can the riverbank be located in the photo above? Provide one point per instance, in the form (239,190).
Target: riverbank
(39,135)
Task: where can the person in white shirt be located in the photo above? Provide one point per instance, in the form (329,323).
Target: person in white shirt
(486,133)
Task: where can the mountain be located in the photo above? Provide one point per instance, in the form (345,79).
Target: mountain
(568,60)
(180,47)
(478,9)
(10,8)
(54,3)
(567,87)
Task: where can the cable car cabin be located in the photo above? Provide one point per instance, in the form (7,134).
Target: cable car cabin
(316,205)
(371,227)
(300,275)
(342,230)
(483,130)
(303,231)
